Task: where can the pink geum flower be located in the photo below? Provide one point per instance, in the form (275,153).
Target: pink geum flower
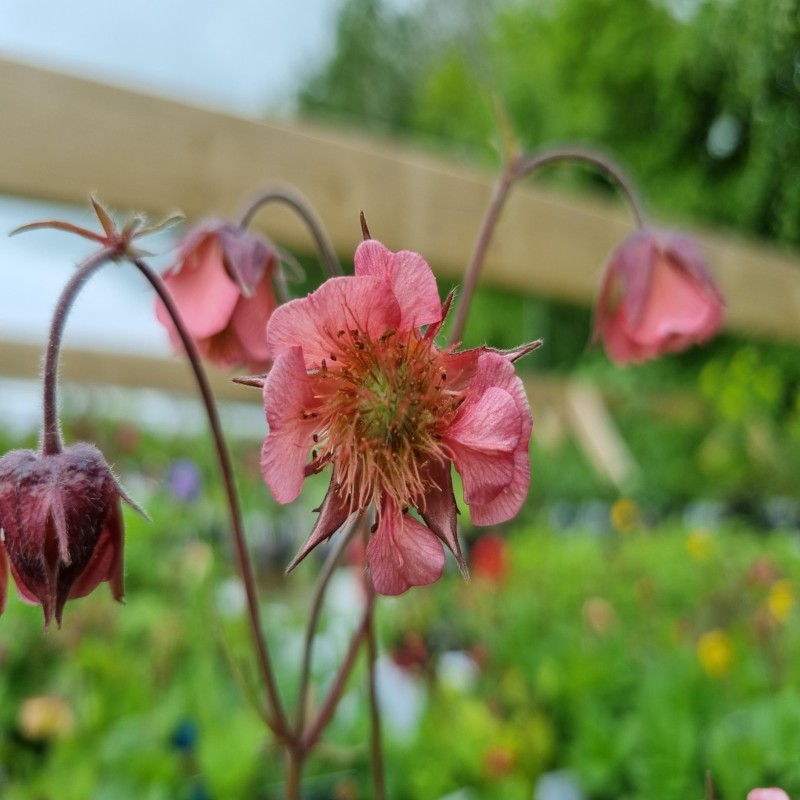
(62,527)
(771,793)
(657,297)
(222,285)
(359,382)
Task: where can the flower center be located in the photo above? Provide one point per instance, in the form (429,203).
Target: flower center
(384,406)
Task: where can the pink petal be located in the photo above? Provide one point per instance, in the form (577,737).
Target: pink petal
(494,370)
(287,396)
(340,304)
(412,281)
(630,270)
(507,503)
(462,365)
(685,252)
(249,323)
(439,509)
(677,305)
(333,513)
(619,346)
(250,259)
(483,439)
(772,793)
(202,290)
(403,553)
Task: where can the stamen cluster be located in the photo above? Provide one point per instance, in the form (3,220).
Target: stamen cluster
(383,407)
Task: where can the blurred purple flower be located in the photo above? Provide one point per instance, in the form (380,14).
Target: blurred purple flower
(184,480)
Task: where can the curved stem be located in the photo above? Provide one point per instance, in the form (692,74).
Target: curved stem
(479,252)
(51,431)
(612,171)
(298,204)
(520,166)
(277,719)
(313,616)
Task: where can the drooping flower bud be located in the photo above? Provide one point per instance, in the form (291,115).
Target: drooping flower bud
(62,527)
(657,297)
(222,285)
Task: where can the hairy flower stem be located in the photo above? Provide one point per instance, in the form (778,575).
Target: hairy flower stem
(276,717)
(516,168)
(51,443)
(303,209)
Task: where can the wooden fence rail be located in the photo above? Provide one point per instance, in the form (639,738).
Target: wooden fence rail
(62,137)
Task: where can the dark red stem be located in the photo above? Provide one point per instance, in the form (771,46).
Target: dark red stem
(304,210)
(51,430)
(276,718)
(518,167)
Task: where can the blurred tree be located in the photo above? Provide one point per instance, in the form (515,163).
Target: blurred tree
(701,98)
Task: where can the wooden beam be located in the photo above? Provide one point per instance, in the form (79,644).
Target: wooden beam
(579,407)
(62,137)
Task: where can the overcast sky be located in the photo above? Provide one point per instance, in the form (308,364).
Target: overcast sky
(238,55)
(242,56)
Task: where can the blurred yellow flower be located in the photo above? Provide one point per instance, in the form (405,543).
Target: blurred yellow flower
(598,615)
(780,599)
(700,545)
(715,651)
(44,717)
(625,516)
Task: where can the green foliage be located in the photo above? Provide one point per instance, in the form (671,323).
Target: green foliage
(586,658)
(700,99)
(597,643)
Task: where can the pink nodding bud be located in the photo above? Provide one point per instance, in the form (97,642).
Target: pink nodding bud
(222,286)
(657,297)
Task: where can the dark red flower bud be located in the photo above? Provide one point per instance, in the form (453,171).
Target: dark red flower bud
(61,524)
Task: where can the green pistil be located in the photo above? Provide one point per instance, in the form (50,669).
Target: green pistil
(389,411)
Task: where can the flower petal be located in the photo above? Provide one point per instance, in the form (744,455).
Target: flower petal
(248,258)
(249,323)
(340,304)
(202,290)
(483,439)
(439,509)
(677,306)
(333,513)
(106,561)
(495,370)
(412,281)
(403,553)
(288,396)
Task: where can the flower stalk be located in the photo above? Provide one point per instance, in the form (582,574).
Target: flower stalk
(277,717)
(298,204)
(517,166)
